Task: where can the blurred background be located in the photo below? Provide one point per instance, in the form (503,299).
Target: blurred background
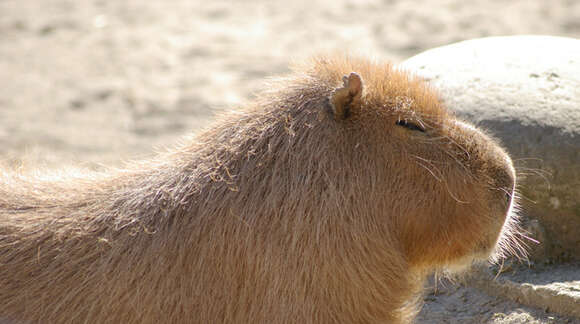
(97,82)
(100,81)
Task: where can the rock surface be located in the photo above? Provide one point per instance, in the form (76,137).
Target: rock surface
(554,289)
(526,91)
(491,304)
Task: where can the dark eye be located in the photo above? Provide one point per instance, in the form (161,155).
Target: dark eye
(410,125)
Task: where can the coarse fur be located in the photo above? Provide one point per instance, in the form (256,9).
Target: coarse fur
(314,204)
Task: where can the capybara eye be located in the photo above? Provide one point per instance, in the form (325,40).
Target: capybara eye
(410,125)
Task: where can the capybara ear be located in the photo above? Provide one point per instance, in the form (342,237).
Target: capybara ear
(341,99)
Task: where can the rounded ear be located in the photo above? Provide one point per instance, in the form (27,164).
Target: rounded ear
(341,99)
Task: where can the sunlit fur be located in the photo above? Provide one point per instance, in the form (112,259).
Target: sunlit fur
(279,213)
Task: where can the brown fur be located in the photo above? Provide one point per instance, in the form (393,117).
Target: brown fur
(280,213)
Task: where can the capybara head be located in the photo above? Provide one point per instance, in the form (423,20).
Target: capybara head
(389,158)
(360,174)
(327,200)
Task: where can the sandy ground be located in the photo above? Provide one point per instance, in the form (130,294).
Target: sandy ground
(101,81)
(456,304)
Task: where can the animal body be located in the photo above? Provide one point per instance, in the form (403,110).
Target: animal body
(326,200)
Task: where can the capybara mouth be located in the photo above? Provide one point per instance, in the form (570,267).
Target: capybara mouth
(498,245)
(503,243)
(508,241)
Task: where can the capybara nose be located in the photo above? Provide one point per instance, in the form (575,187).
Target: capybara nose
(498,167)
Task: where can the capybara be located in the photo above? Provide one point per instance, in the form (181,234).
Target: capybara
(326,200)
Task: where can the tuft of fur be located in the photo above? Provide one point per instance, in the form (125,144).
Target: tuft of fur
(279,213)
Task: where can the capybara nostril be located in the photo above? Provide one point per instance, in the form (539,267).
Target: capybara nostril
(509,197)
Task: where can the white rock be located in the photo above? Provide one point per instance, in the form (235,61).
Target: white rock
(526,91)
